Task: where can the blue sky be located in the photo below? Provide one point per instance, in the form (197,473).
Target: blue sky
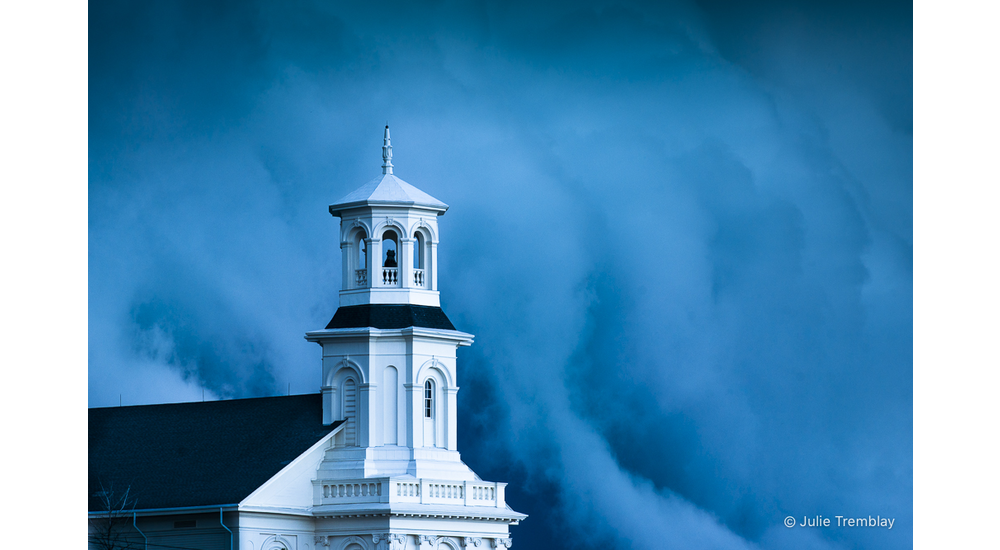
(681,233)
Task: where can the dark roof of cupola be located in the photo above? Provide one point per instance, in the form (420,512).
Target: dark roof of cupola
(198,454)
(390,316)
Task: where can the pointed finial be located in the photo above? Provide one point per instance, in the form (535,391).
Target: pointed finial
(386,152)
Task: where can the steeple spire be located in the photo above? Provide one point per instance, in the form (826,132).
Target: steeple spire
(386,152)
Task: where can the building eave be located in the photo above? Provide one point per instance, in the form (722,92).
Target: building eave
(338,209)
(459,337)
(142,512)
(478,513)
(388,191)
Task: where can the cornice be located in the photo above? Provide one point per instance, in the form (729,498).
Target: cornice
(435,333)
(483,513)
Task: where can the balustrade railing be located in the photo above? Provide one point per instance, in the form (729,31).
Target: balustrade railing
(390,276)
(362,491)
(407,489)
(416,491)
(446,490)
(483,492)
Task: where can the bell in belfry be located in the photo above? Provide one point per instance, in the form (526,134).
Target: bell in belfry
(390,259)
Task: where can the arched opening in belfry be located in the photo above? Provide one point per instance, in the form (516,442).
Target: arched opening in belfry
(390,244)
(361,267)
(418,260)
(418,252)
(390,260)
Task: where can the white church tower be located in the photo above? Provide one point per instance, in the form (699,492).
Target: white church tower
(393,478)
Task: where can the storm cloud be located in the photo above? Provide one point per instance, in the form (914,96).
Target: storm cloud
(681,233)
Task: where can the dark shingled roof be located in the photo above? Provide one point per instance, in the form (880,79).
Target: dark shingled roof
(199,454)
(390,316)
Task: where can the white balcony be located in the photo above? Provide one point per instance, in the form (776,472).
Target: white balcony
(360,278)
(390,276)
(418,277)
(409,491)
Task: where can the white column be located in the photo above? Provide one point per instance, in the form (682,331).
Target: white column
(329,393)
(365,393)
(374,263)
(390,406)
(451,419)
(375,413)
(347,266)
(406,262)
(414,418)
(432,265)
(330,366)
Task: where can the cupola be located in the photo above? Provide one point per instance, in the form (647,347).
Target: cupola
(388,239)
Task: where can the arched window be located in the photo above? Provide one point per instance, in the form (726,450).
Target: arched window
(390,260)
(389,242)
(418,252)
(361,267)
(430,428)
(362,252)
(428,399)
(418,260)
(274,542)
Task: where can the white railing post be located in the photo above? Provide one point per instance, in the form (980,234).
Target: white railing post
(390,276)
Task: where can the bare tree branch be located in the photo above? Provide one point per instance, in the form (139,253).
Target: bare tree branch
(112,529)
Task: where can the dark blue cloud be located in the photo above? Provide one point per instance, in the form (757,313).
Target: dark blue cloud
(682,234)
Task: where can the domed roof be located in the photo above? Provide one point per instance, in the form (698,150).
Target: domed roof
(387,190)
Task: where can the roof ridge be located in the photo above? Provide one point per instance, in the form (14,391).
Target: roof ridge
(205,402)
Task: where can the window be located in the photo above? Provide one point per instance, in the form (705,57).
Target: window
(361,267)
(389,249)
(428,399)
(418,252)
(418,261)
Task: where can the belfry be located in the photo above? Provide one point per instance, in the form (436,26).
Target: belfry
(392,477)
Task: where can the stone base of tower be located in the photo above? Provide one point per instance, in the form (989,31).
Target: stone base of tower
(390,460)
(403,512)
